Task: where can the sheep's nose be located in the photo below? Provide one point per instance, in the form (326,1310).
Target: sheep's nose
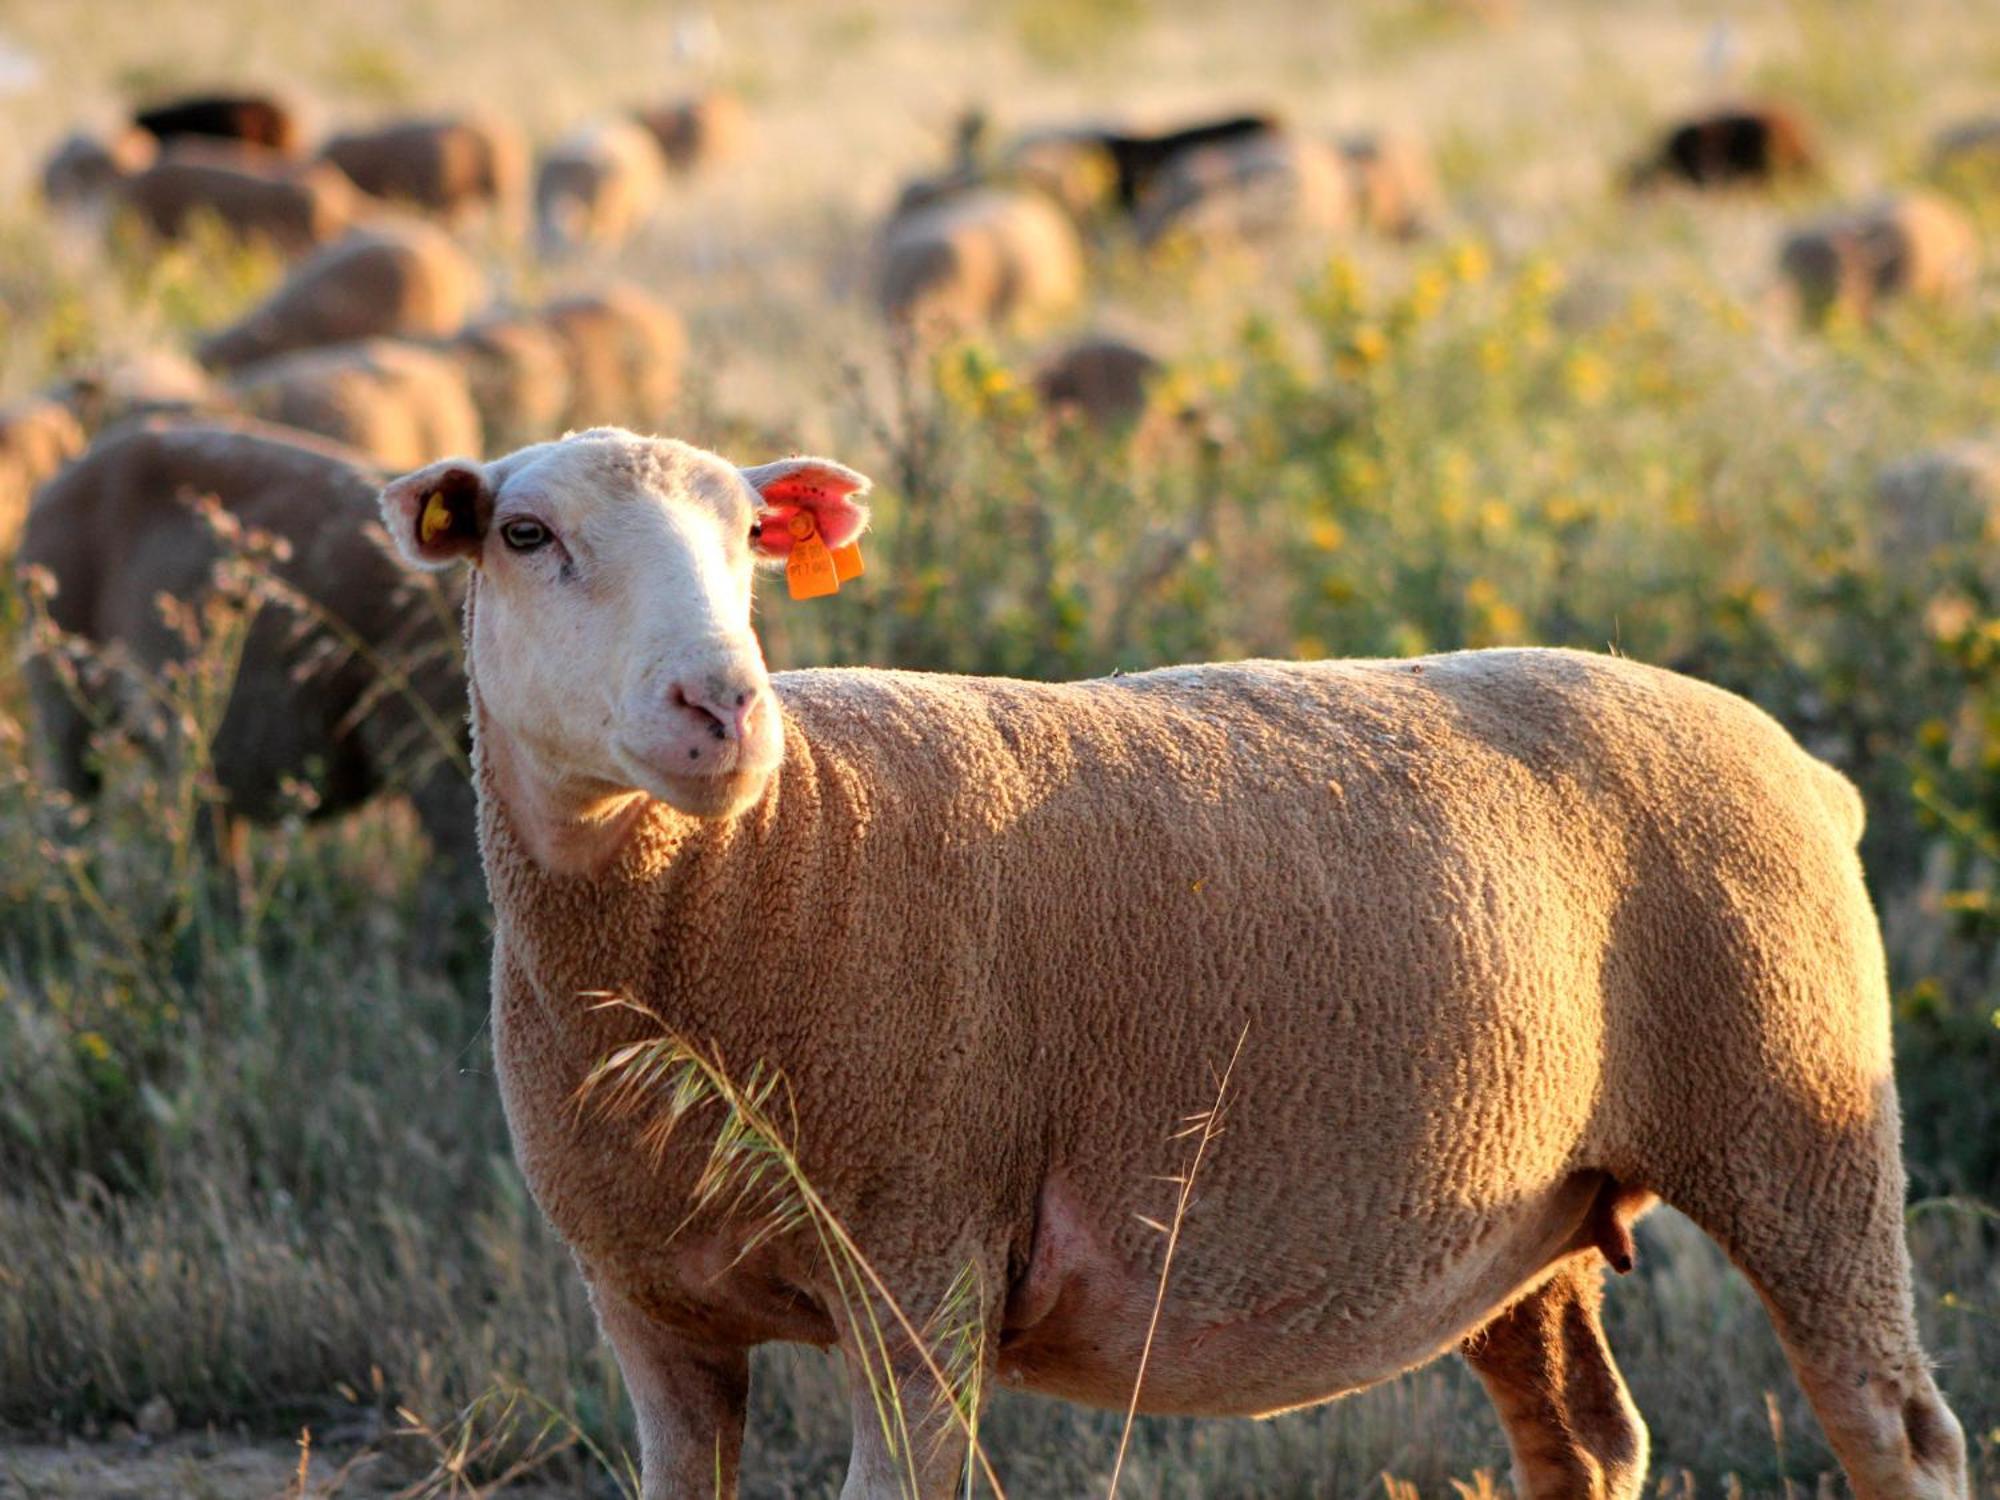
(725,709)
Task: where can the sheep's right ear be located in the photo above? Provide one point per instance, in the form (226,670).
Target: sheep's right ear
(440,513)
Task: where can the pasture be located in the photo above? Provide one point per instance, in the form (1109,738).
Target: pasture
(254,1178)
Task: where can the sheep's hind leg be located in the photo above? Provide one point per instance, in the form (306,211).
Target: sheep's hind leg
(1814,1219)
(1573,1429)
(689,1401)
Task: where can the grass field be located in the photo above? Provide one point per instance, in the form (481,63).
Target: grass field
(251,1153)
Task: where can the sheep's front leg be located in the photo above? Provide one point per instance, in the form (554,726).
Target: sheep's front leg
(909,1444)
(688,1399)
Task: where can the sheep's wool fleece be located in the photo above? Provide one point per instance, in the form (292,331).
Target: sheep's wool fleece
(1483,924)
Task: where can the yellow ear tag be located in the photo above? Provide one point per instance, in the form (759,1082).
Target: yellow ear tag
(436,519)
(810,572)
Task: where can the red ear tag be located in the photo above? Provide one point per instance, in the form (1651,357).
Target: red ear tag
(810,570)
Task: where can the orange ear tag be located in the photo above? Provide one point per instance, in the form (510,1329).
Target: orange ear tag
(847,561)
(810,571)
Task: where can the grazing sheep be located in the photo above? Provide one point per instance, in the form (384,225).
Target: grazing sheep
(1753,146)
(37,437)
(1258,191)
(1072,165)
(451,165)
(253,119)
(1394,189)
(115,532)
(248,190)
(697,133)
(409,281)
(623,349)
(81,175)
(598,186)
(990,255)
(1142,160)
(152,381)
(1491,949)
(1944,501)
(1101,379)
(1918,246)
(517,369)
(399,404)
(1971,148)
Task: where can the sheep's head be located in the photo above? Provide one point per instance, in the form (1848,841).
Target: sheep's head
(611,643)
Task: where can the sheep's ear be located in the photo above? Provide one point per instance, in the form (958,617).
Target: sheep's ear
(817,486)
(439,514)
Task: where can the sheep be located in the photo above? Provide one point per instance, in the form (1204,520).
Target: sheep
(399,404)
(697,133)
(249,191)
(82,174)
(518,371)
(1945,501)
(598,186)
(1918,246)
(1101,379)
(37,437)
(1257,191)
(1737,146)
(449,165)
(253,119)
(623,349)
(406,281)
(150,381)
(1394,190)
(116,531)
(1475,956)
(988,255)
(1970,149)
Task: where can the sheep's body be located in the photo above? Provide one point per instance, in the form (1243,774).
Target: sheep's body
(405,282)
(1257,191)
(979,256)
(251,192)
(598,186)
(622,348)
(518,370)
(115,532)
(452,165)
(1919,245)
(1511,940)
(37,437)
(398,403)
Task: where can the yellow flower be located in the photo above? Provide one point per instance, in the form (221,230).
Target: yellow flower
(1327,534)
(1588,376)
(1492,354)
(1369,344)
(94,1044)
(1470,263)
(1495,516)
(1308,648)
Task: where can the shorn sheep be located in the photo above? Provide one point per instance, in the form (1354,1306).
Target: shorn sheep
(1505,945)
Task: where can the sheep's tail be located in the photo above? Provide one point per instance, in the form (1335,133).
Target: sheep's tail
(1842,800)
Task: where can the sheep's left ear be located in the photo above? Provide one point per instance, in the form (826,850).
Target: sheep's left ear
(440,513)
(816,486)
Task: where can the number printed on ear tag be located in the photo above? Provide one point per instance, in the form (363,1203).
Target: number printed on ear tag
(810,572)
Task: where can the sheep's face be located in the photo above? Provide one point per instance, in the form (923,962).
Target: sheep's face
(611,640)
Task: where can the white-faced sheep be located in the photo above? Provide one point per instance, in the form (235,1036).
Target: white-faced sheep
(1492,950)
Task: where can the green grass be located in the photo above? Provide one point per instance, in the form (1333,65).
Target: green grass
(251,1153)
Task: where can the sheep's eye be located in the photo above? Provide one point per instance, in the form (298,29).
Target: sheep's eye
(525,536)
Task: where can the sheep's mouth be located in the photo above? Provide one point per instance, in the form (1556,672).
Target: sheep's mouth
(719,792)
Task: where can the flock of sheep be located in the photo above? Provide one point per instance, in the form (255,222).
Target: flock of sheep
(379,351)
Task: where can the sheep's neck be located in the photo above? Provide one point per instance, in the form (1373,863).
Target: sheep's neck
(574,828)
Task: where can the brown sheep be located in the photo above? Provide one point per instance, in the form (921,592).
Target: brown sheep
(115,532)
(598,186)
(1103,380)
(1259,191)
(1394,189)
(1917,246)
(1470,959)
(452,165)
(408,281)
(1971,149)
(252,119)
(37,437)
(518,371)
(1945,501)
(989,255)
(623,349)
(698,133)
(83,173)
(399,404)
(249,191)
(1741,146)
(152,381)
